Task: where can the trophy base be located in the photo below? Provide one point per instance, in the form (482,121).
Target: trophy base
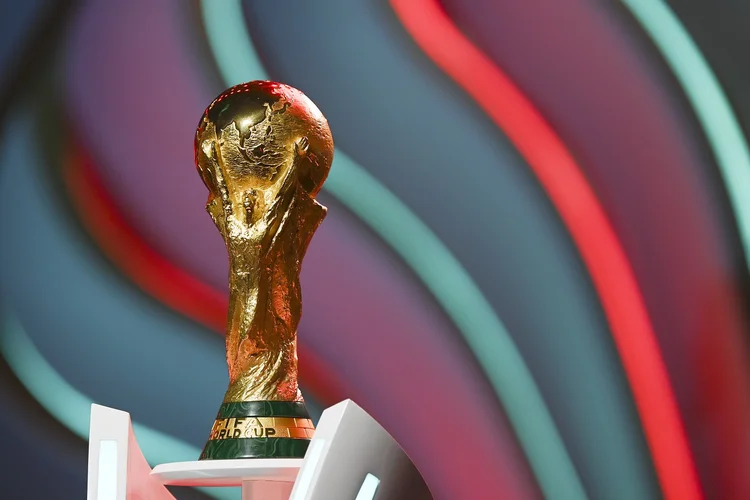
(259,429)
(227,449)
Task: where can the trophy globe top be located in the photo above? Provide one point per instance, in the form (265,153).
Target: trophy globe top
(254,133)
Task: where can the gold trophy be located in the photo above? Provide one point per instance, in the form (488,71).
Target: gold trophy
(263,150)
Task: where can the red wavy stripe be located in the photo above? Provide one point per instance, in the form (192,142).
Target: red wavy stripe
(160,278)
(587,223)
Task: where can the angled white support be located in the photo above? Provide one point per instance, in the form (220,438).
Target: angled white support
(117,468)
(351,456)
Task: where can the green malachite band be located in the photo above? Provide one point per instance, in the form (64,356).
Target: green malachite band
(263,409)
(269,447)
(227,449)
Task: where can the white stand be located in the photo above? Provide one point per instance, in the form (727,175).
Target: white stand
(117,468)
(270,479)
(350,457)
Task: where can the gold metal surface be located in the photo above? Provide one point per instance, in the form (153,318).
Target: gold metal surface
(263,150)
(262,427)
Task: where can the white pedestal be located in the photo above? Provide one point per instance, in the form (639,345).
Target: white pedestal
(350,456)
(266,479)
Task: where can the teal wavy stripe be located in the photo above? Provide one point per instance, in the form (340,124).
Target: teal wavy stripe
(708,100)
(73,409)
(428,257)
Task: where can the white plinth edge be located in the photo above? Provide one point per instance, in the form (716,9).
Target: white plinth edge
(227,472)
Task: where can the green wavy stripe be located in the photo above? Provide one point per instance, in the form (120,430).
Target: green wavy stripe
(438,269)
(708,100)
(73,409)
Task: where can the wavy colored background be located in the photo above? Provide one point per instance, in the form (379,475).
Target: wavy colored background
(534,271)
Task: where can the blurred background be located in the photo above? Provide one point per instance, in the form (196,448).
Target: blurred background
(534,269)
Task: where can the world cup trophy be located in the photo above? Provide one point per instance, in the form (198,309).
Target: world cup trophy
(263,150)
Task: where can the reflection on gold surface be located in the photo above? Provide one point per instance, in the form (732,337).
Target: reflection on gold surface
(263,150)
